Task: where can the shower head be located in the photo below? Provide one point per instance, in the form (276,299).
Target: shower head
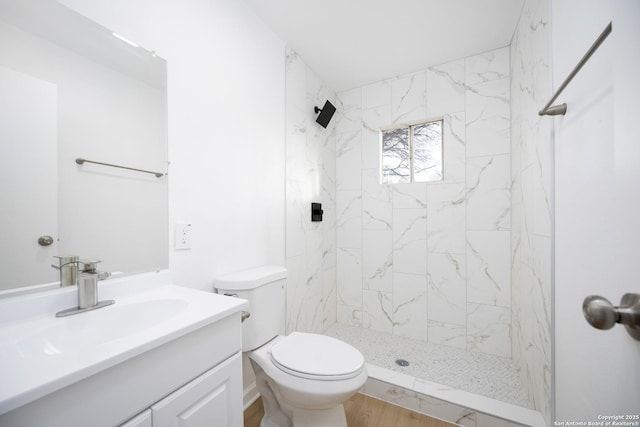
(326,113)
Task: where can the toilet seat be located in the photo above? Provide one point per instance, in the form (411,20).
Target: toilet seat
(317,357)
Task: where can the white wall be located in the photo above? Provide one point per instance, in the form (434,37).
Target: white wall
(597,183)
(429,261)
(226,128)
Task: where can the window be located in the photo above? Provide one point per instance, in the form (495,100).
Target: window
(412,153)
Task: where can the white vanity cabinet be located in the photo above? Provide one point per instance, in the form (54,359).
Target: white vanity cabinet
(189,375)
(141,420)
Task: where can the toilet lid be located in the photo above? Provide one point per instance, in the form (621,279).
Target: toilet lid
(316,356)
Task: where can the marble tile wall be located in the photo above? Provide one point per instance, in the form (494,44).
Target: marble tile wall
(531,241)
(310,177)
(430,261)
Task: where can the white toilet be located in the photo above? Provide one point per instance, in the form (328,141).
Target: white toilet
(303,378)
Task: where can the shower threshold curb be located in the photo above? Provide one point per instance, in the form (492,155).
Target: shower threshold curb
(449,404)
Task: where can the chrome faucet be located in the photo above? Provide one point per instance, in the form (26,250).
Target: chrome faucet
(87,280)
(68,266)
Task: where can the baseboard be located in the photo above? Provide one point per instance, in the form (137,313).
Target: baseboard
(250,395)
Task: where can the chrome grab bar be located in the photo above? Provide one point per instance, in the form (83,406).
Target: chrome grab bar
(601,314)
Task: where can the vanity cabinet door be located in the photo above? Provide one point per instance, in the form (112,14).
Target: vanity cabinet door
(140,420)
(212,399)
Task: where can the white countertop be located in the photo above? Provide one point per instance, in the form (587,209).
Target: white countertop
(40,353)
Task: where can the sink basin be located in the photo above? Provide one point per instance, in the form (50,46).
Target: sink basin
(93,329)
(41,353)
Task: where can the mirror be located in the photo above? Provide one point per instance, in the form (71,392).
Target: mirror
(71,89)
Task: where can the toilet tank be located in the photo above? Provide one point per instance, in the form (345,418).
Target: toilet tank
(264,288)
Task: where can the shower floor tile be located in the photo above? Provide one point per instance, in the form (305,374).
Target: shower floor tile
(483,374)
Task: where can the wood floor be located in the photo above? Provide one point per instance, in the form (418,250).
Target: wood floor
(363,411)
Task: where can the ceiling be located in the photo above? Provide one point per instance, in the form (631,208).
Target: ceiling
(350,43)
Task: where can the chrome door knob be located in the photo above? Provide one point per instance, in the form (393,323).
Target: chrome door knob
(601,314)
(45,240)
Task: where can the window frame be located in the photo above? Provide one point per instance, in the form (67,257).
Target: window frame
(411,126)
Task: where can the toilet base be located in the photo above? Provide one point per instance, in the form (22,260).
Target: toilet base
(333,417)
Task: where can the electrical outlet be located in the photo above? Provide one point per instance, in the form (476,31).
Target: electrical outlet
(183,236)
